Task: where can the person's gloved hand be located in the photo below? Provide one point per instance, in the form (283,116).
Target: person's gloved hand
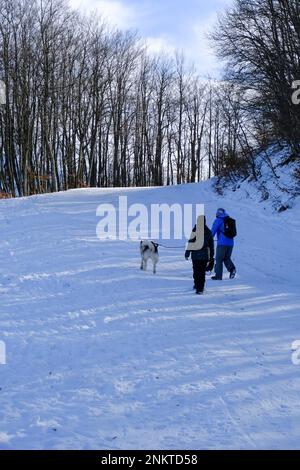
(187,255)
(210,265)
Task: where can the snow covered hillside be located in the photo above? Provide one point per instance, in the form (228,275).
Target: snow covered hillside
(101,355)
(276,184)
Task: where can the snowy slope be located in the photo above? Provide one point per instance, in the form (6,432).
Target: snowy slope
(276,184)
(102,355)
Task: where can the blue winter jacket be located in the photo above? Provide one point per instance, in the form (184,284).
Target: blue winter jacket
(218,228)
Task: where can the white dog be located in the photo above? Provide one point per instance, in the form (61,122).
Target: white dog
(149,250)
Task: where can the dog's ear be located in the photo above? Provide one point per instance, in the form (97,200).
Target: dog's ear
(156,245)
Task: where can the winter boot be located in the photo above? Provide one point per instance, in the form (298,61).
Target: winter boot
(199,292)
(232,273)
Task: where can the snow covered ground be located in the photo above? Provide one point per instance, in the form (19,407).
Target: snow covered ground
(276,181)
(103,356)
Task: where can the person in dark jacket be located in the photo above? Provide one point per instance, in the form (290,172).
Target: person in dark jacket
(203,258)
(224,247)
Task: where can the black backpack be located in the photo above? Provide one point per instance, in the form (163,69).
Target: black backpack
(230,227)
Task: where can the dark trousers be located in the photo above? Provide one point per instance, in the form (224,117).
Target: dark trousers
(223,256)
(199,267)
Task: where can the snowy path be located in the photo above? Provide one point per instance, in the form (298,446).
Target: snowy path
(102,355)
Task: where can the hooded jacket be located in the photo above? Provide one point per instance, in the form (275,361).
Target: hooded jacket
(218,228)
(207,252)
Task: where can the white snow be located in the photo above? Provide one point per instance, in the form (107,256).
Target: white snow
(276,183)
(103,356)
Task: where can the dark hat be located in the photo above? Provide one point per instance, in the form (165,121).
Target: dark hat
(220,212)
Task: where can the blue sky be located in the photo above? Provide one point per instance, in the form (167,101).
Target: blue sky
(167,24)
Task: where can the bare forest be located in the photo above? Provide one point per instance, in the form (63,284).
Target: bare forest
(86,105)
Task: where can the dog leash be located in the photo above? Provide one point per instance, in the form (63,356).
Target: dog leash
(176,247)
(171,247)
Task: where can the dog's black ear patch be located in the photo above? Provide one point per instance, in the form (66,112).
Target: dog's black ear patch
(155,247)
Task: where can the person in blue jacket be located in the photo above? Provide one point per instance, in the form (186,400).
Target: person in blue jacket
(224,248)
